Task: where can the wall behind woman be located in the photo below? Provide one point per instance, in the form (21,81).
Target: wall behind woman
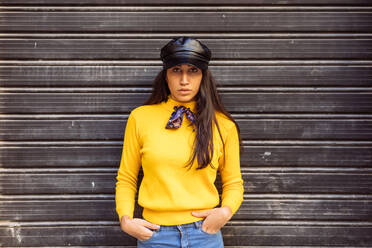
(295,74)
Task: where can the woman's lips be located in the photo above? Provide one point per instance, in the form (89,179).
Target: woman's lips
(184,91)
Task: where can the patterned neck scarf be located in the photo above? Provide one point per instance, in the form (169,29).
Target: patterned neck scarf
(175,121)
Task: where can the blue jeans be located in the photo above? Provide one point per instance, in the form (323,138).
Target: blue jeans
(188,235)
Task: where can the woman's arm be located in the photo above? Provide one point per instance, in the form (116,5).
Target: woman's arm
(232,182)
(232,186)
(126,185)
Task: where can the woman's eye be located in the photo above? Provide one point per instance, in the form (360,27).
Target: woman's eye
(193,70)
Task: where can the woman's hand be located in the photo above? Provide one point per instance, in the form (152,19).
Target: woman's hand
(215,218)
(137,227)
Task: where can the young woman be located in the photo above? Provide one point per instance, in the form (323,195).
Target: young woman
(180,156)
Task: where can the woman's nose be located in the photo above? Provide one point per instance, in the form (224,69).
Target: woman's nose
(184,79)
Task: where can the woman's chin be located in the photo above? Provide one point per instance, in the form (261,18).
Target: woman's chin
(184,98)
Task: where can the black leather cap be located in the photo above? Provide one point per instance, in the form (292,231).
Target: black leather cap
(185,50)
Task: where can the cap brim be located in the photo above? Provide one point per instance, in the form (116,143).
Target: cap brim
(184,60)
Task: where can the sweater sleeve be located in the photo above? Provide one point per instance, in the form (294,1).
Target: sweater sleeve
(126,185)
(232,182)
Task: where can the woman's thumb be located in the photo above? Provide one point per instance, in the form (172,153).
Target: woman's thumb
(151,225)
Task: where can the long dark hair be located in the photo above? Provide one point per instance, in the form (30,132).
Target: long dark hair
(207,102)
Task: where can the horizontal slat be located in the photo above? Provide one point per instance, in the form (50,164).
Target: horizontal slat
(148,49)
(234,102)
(187,2)
(15,130)
(259,182)
(51,156)
(252,156)
(222,90)
(68,210)
(186,8)
(256,209)
(221,21)
(239,234)
(124,76)
(63,130)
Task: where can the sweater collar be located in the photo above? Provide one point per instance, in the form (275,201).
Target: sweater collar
(170,103)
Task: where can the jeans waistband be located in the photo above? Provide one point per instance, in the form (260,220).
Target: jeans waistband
(195,224)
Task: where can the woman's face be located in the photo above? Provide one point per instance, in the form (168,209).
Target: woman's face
(184,82)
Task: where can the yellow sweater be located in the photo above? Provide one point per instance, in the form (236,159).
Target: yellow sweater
(169,192)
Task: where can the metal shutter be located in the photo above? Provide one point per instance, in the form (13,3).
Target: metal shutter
(295,74)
